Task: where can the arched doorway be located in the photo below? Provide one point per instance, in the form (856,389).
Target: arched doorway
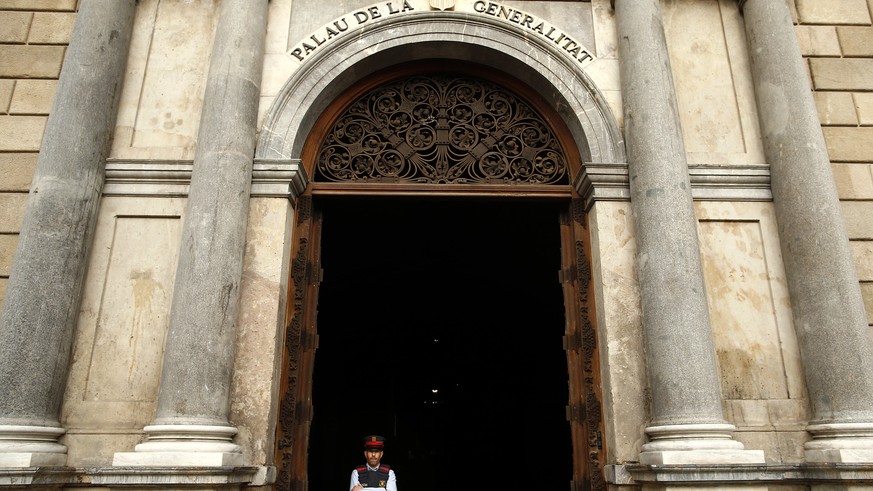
(463,169)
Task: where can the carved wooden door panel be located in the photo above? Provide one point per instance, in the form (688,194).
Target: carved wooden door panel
(301,341)
(580,342)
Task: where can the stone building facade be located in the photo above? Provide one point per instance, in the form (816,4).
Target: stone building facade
(170,171)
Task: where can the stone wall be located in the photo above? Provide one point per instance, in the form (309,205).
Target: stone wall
(158,121)
(837,41)
(33,37)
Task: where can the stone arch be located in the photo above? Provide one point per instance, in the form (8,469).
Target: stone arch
(346,62)
(449,35)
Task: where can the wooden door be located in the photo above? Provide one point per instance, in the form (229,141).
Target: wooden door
(301,341)
(583,361)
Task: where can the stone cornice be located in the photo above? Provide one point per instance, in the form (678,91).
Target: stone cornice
(271,178)
(288,179)
(609,182)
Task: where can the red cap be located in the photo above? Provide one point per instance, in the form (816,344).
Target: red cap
(374,442)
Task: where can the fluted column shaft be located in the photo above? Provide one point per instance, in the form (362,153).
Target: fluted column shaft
(43,295)
(686,411)
(829,317)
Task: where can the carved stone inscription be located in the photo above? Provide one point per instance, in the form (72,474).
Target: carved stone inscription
(396,8)
(343,24)
(553,34)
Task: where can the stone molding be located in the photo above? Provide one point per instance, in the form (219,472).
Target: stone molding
(707,443)
(31,446)
(326,74)
(737,474)
(227,477)
(271,178)
(840,442)
(609,182)
(278,178)
(184,445)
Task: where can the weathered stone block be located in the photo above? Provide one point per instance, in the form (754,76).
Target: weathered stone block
(854,181)
(746,413)
(7,251)
(732,252)
(159,114)
(788,414)
(17,171)
(866,292)
(836,108)
(14,26)
(3,282)
(51,28)
(856,41)
(842,73)
(818,40)
(789,447)
(849,144)
(31,61)
(6,87)
(859,219)
(863,253)
(33,96)
(833,12)
(65,5)
(11,211)
(21,133)
(864,107)
(706,88)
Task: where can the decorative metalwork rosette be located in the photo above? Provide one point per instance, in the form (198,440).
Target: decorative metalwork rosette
(441,129)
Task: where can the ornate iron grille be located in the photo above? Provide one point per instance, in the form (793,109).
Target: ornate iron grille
(441,129)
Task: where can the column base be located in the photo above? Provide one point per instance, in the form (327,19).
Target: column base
(847,443)
(696,444)
(184,445)
(31,446)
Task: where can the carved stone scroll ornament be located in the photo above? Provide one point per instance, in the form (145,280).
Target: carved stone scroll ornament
(441,129)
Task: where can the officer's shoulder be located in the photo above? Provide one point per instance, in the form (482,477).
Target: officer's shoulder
(361,467)
(385,468)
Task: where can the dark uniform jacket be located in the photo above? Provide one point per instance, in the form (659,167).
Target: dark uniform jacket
(373,479)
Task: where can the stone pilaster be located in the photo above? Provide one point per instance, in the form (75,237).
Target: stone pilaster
(191,426)
(45,285)
(829,317)
(687,425)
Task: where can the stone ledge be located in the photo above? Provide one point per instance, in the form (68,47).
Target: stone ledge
(739,474)
(609,182)
(118,477)
(166,178)
(287,178)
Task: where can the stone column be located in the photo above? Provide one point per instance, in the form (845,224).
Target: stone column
(687,425)
(191,426)
(829,317)
(45,285)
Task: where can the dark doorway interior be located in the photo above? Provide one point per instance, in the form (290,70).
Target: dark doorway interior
(440,327)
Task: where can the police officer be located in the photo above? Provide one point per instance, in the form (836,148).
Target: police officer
(373,474)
